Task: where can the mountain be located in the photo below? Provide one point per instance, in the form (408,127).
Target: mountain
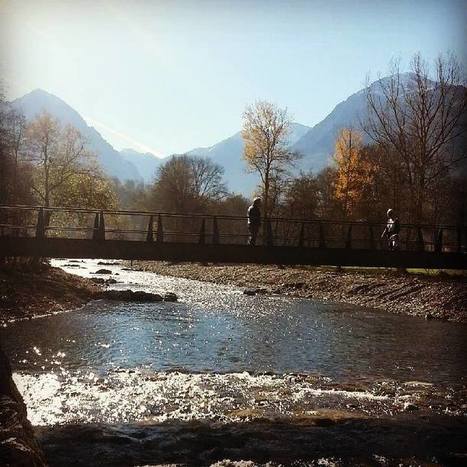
(146,163)
(317,145)
(113,163)
(228,153)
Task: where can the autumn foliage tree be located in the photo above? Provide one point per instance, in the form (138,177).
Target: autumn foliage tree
(265,132)
(353,175)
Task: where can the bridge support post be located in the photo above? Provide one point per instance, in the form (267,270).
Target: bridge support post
(348,242)
(301,237)
(459,238)
(420,241)
(40,226)
(95,230)
(372,238)
(202,233)
(322,238)
(150,234)
(215,231)
(160,230)
(269,238)
(439,241)
(101,230)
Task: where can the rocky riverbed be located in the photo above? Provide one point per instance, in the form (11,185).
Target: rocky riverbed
(26,294)
(431,297)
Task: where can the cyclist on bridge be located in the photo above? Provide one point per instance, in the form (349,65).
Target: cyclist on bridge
(391,232)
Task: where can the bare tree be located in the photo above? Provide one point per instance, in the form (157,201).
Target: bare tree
(207,179)
(188,183)
(421,121)
(265,132)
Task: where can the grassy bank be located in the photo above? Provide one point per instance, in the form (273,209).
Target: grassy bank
(429,296)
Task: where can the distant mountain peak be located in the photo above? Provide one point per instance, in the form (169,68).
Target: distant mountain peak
(134,152)
(45,96)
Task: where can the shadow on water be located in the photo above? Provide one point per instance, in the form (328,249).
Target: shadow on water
(399,440)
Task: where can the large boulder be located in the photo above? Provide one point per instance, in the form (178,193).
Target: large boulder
(170,297)
(129,296)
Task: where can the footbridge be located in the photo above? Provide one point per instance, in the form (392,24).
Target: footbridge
(58,232)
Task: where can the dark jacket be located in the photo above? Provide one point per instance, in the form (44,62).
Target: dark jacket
(254,215)
(392,227)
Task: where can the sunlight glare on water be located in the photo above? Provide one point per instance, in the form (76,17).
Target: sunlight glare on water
(206,356)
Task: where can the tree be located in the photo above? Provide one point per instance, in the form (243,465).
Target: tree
(421,122)
(15,177)
(132,195)
(301,197)
(265,132)
(58,154)
(90,189)
(326,182)
(188,184)
(354,170)
(208,184)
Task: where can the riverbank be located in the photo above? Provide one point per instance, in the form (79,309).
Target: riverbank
(27,292)
(18,446)
(431,297)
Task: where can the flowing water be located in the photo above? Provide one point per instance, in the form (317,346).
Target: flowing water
(220,356)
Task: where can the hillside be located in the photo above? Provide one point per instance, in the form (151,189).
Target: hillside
(113,163)
(146,163)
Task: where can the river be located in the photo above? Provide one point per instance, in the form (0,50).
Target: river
(218,357)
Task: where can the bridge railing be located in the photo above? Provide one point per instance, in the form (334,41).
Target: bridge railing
(162,227)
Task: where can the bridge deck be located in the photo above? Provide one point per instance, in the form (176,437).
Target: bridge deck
(287,255)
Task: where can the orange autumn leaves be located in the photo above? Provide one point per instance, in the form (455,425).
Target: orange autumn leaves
(355,170)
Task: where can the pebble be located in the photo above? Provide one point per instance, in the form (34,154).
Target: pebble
(409,407)
(103,271)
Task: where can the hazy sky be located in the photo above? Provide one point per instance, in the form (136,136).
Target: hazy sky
(168,76)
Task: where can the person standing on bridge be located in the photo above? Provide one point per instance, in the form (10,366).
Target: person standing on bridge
(391,232)
(254,220)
